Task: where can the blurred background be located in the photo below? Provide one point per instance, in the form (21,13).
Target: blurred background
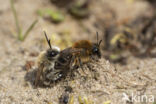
(127,27)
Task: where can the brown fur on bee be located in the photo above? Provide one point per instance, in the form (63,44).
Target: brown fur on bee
(88,51)
(85,47)
(85,44)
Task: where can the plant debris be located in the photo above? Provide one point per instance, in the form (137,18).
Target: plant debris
(29,65)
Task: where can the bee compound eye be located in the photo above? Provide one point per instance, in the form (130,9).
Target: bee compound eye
(95,50)
(52,54)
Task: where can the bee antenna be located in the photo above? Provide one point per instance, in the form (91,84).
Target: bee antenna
(97,35)
(48,40)
(99,43)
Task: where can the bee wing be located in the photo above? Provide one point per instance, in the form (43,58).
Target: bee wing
(38,74)
(65,63)
(71,50)
(59,65)
(76,50)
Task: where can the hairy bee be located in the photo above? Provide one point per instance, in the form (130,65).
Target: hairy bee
(80,53)
(46,60)
(87,51)
(53,64)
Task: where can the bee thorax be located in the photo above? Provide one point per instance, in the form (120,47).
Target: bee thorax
(56,48)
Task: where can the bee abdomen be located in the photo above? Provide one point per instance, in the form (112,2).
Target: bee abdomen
(51,78)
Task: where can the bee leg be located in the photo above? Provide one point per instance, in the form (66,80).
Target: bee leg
(38,74)
(94,73)
(80,63)
(72,67)
(92,58)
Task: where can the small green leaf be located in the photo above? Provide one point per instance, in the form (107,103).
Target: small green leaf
(16,18)
(55,16)
(79,9)
(20,35)
(29,29)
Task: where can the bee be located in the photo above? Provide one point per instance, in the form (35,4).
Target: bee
(53,64)
(46,60)
(87,51)
(78,54)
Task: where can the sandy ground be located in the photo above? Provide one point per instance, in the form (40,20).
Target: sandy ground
(137,77)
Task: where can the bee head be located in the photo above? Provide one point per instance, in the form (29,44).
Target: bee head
(53,51)
(96,47)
